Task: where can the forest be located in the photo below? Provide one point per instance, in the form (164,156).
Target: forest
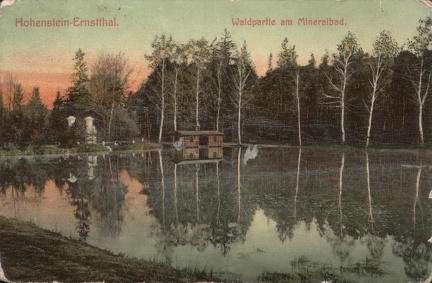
(378,98)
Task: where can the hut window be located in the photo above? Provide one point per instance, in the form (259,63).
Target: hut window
(215,139)
(191,139)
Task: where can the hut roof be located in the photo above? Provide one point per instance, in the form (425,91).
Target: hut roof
(197,161)
(199,133)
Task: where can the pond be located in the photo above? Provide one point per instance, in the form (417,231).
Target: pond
(318,212)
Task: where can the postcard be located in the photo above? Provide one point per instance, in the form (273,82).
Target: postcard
(227,140)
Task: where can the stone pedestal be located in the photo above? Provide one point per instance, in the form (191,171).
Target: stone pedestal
(90,131)
(71,121)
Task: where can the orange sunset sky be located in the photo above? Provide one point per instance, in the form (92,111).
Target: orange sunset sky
(43,55)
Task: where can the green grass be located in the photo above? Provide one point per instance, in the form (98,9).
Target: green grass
(135,146)
(55,150)
(29,253)
(32,150)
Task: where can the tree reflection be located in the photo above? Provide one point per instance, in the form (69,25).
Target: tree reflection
(197,211)
(374,243)
(223,232)
(168,232)
(370,217)
(97,194)
(415,253)
(80,197)
(340,192)
(351,197)
(297,184)
(18,176)
(80,190)
(341,242)
(239,183)
(416,257)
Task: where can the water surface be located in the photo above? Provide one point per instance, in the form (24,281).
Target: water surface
(234,216)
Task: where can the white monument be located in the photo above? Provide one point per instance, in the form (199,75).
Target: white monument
(71,121)
(91,164)
(90,132)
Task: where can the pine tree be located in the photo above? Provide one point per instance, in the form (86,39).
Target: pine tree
(287,56)
(58,123)
(35,114)
(17,117)
(79,77)
(78,102)
(221,56)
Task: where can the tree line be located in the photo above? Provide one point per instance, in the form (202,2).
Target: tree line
(351,96)
(101,95)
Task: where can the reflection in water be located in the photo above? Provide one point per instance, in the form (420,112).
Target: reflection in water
(374,243)
(370,217)
(2,275)
(340,192)
(297,183)
(341,241)
(108,200)
(239,183)
(415,253)
(99,194)
(417,194)
(251,153)
(210,208)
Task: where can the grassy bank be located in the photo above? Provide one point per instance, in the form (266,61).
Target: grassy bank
(29,253)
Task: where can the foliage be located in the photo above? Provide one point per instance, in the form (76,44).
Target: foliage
(213,85)
(287,55)
(108,86)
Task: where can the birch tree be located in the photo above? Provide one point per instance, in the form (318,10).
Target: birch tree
(200,52)
(178,58)
(163,48)
(341,63)
(385,49)
(297,98)
(420,74)
(240,77)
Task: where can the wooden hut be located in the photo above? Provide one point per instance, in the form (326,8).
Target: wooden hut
(191,153)
(196,155)
(200,138)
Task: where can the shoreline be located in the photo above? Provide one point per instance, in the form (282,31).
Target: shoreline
(31,254)
(53,151)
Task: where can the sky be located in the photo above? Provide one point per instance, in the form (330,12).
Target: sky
(43,56)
